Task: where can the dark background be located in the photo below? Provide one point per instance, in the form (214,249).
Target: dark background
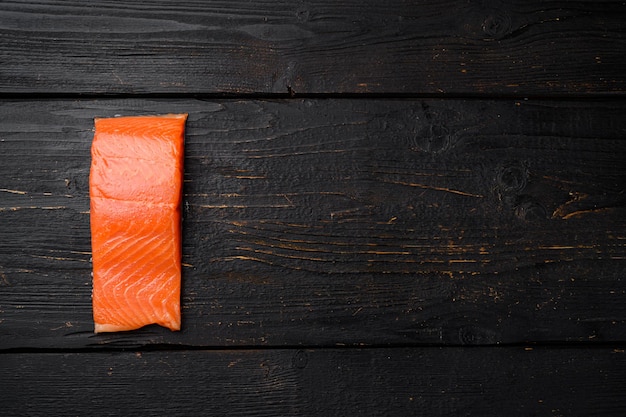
(390,207)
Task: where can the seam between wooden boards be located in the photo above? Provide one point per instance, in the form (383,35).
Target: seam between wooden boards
(592,96)
(617,346)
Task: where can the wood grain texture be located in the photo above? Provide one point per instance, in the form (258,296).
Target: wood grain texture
(404,208)
(358,382)
(325,222)
(382,47)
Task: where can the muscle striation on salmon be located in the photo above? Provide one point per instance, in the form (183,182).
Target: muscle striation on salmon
(135,187)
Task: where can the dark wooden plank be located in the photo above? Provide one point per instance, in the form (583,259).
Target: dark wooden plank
(436,47)
(323,222)
(370,382)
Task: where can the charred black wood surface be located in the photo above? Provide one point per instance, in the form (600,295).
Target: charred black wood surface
(340,222)
(285,47)
(390,208)
(328,382)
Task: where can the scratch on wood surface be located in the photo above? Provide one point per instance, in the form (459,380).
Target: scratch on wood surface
(588,211)
(67,324)
(562,247)
(304,241)
(251,258)
(242,206)
(271,253)
(58,258)
(6,190)
(293,154)
(432,187)
(561,211)
(561,180)
(291,246)
(349,212)
(80,252)
(32,208)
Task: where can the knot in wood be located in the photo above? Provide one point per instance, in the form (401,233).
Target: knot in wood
(302,14)
(434,139)
(512,178)
(530,210)
(497,25)
(300,359)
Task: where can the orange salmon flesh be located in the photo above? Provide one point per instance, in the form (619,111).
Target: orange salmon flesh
(135,188)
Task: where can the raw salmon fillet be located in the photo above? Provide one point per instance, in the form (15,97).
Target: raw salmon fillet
(135,188)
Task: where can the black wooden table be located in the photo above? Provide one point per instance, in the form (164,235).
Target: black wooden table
(390,207)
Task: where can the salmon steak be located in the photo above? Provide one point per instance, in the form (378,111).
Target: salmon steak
(135,189)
